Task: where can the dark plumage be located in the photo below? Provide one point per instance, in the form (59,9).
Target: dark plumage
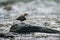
(22,17)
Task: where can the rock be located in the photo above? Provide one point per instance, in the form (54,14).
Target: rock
(8,7)
(1,35)
(30,28)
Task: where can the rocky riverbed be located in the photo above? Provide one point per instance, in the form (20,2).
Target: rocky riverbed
(45,13)
(36,36)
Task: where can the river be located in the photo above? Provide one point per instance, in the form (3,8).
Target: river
(39,11)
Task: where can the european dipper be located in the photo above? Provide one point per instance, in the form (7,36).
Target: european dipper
(22,17)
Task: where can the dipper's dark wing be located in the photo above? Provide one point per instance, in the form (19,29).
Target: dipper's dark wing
(21,18)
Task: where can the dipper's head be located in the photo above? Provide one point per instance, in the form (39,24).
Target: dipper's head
(25,14)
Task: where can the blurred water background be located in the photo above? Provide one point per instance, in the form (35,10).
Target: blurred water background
(40,12)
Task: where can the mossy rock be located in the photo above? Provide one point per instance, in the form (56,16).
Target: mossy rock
(30,29)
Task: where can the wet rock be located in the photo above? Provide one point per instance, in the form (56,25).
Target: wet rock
(8,7)
(6,36)
(1,35)
(1,25)
(30,29)
(46,24)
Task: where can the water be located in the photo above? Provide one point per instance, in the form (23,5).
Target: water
(40,12)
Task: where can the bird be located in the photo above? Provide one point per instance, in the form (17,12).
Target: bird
(22,17)
(8,7)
